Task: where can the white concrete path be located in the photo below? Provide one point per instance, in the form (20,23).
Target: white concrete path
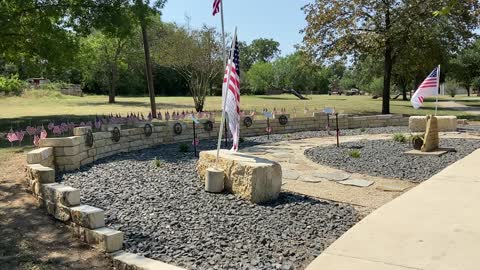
(434,226)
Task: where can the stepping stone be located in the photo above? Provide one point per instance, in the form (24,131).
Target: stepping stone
(295,161)
(391,188)
(332,176)
(291,175)
(282,155)
(310,179)
(357,182)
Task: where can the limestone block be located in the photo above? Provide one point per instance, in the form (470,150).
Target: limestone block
(38,155)
(86,161)
(252,178)
(106,239)
(62,142)
(444,123)
(110,127)
(40,173)
(80,131)
(62,194)
(71,167)
(431,140)
(68,151)
(62,213)
(88,216)
(129,261)
(101,135)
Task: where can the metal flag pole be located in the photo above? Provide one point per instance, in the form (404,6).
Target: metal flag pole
(225,90)
(223,35)
(436,102)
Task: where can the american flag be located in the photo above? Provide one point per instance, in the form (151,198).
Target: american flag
(428,88)
(232,93)
(216,6)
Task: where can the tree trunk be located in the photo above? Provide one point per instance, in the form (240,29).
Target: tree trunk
(113,85)
(387,68)
(148,68)
(404,91)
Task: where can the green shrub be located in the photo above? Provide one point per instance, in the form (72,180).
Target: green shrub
(241,140)
(183,148)
(11,86)
(354,153)
(157,163)
(363,129)
(399,137)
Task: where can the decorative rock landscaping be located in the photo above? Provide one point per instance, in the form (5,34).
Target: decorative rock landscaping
(166,215)
(386,158)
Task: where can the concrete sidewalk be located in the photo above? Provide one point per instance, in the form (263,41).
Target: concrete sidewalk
(434,226)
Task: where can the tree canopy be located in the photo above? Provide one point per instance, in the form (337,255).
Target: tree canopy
(341,28)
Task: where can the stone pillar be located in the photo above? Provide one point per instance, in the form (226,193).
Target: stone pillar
(214,180)
(430,142)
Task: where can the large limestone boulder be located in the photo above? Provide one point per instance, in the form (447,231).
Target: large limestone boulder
(444,123)
(431,140)
(255,179)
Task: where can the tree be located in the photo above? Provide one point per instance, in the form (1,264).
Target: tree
(260,50)
(101,57)
(261,77)
(195,55)
(354,27)
(465,66)
(145,11)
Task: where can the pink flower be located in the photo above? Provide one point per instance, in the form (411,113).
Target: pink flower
(50,125)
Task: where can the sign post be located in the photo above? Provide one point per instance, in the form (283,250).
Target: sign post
(195,140)
(268,115)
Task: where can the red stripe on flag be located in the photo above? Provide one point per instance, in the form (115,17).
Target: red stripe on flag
(216,6)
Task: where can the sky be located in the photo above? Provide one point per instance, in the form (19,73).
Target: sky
(278,19)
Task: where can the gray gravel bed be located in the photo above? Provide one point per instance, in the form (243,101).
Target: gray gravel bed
(166,215)
(386,158)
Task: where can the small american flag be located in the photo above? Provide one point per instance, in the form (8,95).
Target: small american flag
(12,136)
(428,88)
(232,103)
(216,6)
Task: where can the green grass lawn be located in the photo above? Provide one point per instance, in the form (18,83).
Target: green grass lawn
(18,112)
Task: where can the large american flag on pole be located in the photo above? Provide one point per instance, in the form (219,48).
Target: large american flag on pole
(232,103)
(428,88)
(216,6)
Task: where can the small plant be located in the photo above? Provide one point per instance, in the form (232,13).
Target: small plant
(241,140)
(157,163)
(183,148)
(399,137)
(363,129)
(354,153)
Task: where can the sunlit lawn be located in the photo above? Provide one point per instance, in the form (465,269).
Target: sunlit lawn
(17,112)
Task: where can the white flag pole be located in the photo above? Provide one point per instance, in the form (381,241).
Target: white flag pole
(225,94)
(436,102)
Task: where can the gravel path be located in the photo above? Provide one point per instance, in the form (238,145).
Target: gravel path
(166,215)
(385,158)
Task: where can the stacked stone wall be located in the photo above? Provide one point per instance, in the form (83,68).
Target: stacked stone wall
(70,153)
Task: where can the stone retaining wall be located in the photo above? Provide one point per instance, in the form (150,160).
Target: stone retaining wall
(63,202)
(70,153)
